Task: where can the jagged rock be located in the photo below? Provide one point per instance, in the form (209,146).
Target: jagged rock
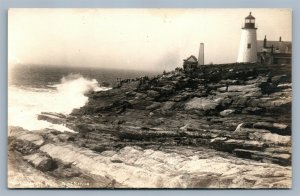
(66,171)
(116,161)
(267,88)
(231,144)
(280,149)
(167,90)
(182,96)
(226,112)
(229,82)
(226,102)
(202,104)
(258,80)
(239,102)
(130,94)
(280,79)
(263,125)
(168,106)
(140,96)
(273,127)
(280,126)
(276,139)
(105,84)
(140,104)
(41,162)
(24,141)
(122,132)
(240,88)
(270,138)
(254,110)
(153,106)
(54,118)
(31,138)
(285,86)
(118,122)
(153,93)
(281,159)
(65,138)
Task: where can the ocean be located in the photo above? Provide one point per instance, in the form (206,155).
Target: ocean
(33,89)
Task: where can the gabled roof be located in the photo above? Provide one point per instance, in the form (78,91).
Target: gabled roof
(250,16)
(283,46)
(191,59)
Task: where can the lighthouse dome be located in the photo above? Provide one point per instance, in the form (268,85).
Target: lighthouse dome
(249,22)
(250,16)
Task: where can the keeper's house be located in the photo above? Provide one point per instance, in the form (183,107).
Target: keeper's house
(274,52)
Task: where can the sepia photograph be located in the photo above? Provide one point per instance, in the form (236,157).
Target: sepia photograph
(149,98)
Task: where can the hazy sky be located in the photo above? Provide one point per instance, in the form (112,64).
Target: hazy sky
(147,39)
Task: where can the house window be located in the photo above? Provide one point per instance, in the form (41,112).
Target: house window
(249,46)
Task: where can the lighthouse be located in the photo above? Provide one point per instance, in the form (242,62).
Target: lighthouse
(248,43)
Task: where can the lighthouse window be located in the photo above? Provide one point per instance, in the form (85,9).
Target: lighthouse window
(249,46)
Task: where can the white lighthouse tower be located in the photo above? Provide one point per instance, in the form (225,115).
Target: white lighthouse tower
(248,48)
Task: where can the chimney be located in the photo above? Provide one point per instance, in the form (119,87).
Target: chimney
(280,38)
(201,54)
(272,49)
(265,42)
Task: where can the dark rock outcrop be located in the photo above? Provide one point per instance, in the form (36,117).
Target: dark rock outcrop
(243,110)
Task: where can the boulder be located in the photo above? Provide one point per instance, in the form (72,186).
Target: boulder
(52,118)
(204,104)
(140,104)
(281,159)
(230,144)
(182,96)
(227,112)
(278,128)
(153,106)
(41,162)
(240,88)
(32,138)
(169,105)
(66,171)
(267,88)
(130,93)
(284,86)
(226,102)
(277,139)
(279,149)
(167,90)
(254,110)
(24,141)
(153,94)
(239,101)
(259,79)
(280,79)
(263,125)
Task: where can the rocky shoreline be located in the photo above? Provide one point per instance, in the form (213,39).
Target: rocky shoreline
(217,126)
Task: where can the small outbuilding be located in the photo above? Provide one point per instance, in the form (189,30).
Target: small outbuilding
(190,63)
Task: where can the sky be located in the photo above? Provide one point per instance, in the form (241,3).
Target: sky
(141,39)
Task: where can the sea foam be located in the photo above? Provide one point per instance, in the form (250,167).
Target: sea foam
(24,104)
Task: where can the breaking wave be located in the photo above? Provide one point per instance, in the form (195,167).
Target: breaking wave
(24,104)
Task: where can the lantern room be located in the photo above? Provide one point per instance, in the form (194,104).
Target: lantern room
(249,22)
